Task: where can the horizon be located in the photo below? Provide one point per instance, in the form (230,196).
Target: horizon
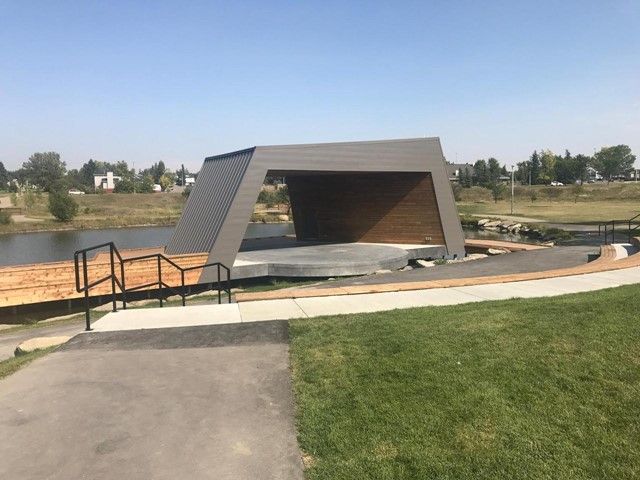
(179,83)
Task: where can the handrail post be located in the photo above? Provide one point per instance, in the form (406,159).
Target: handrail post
(113,279)
(160,280)
(629,241)
(85,275)
(183,294)
(124,287)
(228,284)
(613,231)
(219,287)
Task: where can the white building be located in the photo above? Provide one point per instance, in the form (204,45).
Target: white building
(105,182)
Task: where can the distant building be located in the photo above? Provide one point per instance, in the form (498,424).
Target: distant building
(189,180)
(454,170)
(157,188)
(106,182)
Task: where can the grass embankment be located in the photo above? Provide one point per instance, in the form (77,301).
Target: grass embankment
(102,211)
(13,364)
(595,203)
(520,389)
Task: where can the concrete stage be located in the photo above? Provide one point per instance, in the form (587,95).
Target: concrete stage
(286,257)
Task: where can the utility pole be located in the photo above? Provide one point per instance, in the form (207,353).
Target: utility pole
(512,189)
(134,177)
(183,175)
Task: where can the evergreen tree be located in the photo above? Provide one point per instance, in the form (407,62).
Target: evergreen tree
(535,168)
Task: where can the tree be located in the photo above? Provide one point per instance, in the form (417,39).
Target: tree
(146,185)
(62,205)
(124,186)
(4,177)
(494,170)
(44,169)
(566,170)
(480,173)
(468,180)
(581,165)
(614,161)
(167,180)
(498,191)
(534,165)
(522,174)
(156,171)
(547,166)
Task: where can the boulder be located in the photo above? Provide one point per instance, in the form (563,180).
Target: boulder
(39,343)
(496,251)
(492,224)
(483,222)
(406,268)
(474,256)
(382,271)
(425,263)
(283,218)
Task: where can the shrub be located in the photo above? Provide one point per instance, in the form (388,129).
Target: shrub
(5,218)
(62,205)
(186,192)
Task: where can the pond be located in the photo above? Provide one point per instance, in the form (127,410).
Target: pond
(20,248)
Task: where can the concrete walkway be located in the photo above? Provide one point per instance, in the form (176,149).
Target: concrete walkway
(189,403)
(283,309)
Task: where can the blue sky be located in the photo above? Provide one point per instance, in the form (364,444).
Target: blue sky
(144,81)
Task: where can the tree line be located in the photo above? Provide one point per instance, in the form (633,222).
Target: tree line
(47,172)
(545,167)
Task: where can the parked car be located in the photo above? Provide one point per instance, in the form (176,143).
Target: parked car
(75,191)
(557,184)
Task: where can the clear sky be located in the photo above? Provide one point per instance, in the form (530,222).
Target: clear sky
(144,81)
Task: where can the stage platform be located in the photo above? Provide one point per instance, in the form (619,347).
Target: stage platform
(285,257)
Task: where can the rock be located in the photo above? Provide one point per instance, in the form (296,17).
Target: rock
(39,343)
(283,218)
(474,256)
(425,263)
(406,268)
(548,244)
(492,224)
(496,251)
(483,222)
(377,272)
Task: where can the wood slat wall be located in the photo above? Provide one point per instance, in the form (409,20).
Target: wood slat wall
(368,207)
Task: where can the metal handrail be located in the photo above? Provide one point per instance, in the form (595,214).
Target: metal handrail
(630,230)
(121,282)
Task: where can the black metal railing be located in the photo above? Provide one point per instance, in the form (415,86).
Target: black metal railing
(635,228)
(609,228)
(181,290)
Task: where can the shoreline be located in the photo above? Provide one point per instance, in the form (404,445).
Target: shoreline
(112,227)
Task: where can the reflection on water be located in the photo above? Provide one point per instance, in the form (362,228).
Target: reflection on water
(20,248)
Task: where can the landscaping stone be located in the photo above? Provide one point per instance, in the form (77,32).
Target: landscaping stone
(483,222)
(425,263)
(492,224)
(283,218)
(39,343)
(496,251)
(406,269)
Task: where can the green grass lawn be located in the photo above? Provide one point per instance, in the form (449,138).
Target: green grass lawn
(520,389)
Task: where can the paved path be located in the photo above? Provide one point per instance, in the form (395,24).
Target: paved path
(10,340)
(192,403)
(288,308)
(512,263)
